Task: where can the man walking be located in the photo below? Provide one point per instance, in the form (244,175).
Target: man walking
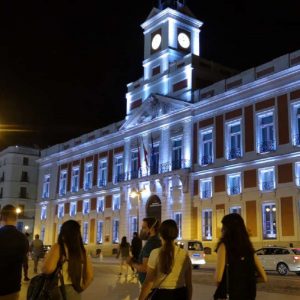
(136,246)
(25,263)
(13,250)
(37,251)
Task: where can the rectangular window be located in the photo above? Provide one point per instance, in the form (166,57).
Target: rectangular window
(102,173)
(25,161)
(61,211)
(269,220)
(266,179)
(176,154)
(134,173)
(296,124)
(234,184)
(100,204)
(235,210)
(118,171)
(154,162)
(73,209)
(178,220)
(234,140)
(63,183)
(206,147)
(75,179)
(23,192)
(42,236)
(115,231)
(297,173)
(134,226)
(86,207)
(88,176)
(207,225)
(43,212)
(24,176)
(85,233)
(46,186)
(116,202)
(99,232)
(206,188)
(265,133)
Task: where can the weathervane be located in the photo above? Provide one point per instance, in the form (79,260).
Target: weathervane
(162,4)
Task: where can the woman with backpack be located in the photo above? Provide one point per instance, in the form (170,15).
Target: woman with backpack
(77,268)
(238,268)
(123,251)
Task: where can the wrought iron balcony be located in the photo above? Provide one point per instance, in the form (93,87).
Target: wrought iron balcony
(267,146)
(296,139)
(234,153)
(206,194)
(176,164)
(101,183)
(267,185)
(206,160)
(154,169)
(87,186)
(74,189)
(234,190)
(62,192)
(134,174)
(120,177)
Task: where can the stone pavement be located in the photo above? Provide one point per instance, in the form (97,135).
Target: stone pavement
(108,285)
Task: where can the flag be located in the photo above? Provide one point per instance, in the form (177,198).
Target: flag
(139,155)
(145,155)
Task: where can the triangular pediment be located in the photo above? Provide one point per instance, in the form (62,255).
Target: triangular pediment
(154,107)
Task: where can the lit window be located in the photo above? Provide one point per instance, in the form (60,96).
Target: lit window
(100,232)
(176,154)
(266,179)
(134,172)
(134,226)
(207,225)
(61,211)
(85,233)
(236,210)
(115,231)
(42,235)
(205,188)
(75,179)
(178,220)
(43,212)
(100,205)
(118,170)
(116,202)
(102,173)
(234,184)
(296,124)
(46,186)
(88,176)
(265,133)
(154,161)
(73,209)
(297,173)
(63,183)
(234,140)
(206,147)
(86,207)
(269,220)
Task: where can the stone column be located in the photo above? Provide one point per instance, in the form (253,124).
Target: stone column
(127,153)
(164,149)
(187,143)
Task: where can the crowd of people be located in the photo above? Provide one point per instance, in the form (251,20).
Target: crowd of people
(164,270)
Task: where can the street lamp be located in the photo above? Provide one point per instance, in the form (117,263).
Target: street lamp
(18,210)
(137,193)
(26,227)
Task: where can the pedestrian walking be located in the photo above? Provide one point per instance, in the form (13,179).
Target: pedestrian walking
(25,263)
(169,272)
(136,246)
(238,268)
(149,232)
(123,251)
(37,251)
(13,250)
(77,268)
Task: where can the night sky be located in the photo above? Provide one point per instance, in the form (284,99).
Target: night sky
(64,65)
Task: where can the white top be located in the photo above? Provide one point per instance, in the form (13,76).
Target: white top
(176,278)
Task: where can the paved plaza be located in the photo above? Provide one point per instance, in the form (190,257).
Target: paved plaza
(108,285)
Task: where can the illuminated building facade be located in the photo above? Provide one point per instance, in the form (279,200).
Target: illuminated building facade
(195,146)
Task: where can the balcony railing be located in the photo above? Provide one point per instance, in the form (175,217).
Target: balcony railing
(62,192)
(267,146)
(234,190)
(234,153)
(206,160)
(87,186)
(102,183)
(206,194)
(74,189)
(45,195)
(120,177)
(267,185)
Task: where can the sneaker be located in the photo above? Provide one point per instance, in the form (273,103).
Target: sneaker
(26,279)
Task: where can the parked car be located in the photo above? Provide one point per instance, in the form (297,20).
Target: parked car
(280,259)
(195,250)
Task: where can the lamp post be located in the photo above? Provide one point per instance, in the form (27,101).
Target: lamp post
(137,193)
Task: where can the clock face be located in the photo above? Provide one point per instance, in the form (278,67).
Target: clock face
(183,40)
(156,41)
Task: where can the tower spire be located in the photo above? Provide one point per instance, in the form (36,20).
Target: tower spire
(162,4)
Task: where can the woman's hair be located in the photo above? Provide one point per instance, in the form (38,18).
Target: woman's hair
(152,223)
(70,236)
(169,232)
(235,237)
(123,242)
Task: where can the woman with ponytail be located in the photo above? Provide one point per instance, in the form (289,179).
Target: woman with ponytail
(77,269)
(169,272)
